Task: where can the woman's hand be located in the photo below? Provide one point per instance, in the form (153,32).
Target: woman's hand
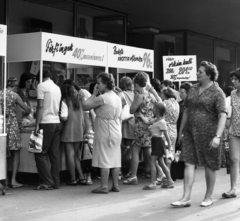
(215,142)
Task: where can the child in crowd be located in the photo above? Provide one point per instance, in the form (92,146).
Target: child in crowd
(158,129)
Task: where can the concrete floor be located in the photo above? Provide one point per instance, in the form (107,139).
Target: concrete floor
(132,203)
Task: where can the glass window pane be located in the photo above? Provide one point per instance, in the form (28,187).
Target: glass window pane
(200,46)
(225,61)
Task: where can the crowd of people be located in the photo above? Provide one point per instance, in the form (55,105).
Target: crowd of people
(147,117)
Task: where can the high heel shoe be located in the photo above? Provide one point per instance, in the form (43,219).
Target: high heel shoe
(131,181)
(181,204)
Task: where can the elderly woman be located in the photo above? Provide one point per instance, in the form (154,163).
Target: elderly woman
(13,140)
(234,134)
(128,125)
(201,129)
(107,137)
(143,103)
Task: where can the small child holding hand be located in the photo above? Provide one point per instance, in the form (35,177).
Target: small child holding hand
(158,129)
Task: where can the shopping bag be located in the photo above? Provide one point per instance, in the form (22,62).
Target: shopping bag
(35,142)
(85,151)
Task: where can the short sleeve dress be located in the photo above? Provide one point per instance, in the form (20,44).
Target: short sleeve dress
(142,135)
(108,136)
(73,127)
(201,126)
(13,133)
(234,130)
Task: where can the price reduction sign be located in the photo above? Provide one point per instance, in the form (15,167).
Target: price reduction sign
(180,68)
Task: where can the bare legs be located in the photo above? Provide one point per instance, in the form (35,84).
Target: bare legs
(210,176)
(15,165)
(234,144)
(105,176)
(73,160)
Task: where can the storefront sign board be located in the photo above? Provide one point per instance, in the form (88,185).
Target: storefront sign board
(180,68)
(56,48)
(3,40)
(132,58)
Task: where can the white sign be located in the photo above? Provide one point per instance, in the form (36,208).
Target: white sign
(126,57)
(180,68)
(66,49)
(3,40)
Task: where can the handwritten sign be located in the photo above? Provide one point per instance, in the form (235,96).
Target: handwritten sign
(180,68)
(66,49)
(3,40)
(126,57)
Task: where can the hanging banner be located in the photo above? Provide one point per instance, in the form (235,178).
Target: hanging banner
(3,40)
(126,57)
(180,68)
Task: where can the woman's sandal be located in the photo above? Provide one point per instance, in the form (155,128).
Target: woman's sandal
(44,187)
(149,187)
(131,181)
(229,195)
(82,182)
(72,183)
(89,182)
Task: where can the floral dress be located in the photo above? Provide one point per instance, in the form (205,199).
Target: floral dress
(12,129)
(201,126)
(171,117)
(142,135)
(234,130)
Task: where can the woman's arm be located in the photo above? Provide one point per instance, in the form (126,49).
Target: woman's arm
(220,128)
(183,123)
(136,103)
(145,120)
(87,122)
(155,94)
(23,105)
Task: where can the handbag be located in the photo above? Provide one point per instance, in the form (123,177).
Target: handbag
(85,151)
(35,142)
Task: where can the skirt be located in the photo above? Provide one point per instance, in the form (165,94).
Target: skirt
(158,146)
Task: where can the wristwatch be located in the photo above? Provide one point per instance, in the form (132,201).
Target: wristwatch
(217,136)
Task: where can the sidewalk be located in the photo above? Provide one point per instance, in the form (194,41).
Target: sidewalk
(132,203)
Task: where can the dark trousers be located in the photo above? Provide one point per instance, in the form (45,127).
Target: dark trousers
(49,174)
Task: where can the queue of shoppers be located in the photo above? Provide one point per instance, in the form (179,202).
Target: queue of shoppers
(160,118)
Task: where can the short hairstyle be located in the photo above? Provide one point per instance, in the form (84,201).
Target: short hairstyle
(126,83)
(228,90)
(141,79)
(46,74)
(210,69)
(156,84)
(107,79)
(169,93)
(161,108)
(24,77)
(12,82)
(235,73)
(186,86)
(167,83)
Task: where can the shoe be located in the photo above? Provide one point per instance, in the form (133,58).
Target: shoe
(44,187)
(229,195)
(89,182)
(128,175)
(168,185)
(181,204)
(72,183)
(206,204)
(82,182)
(149,187)
(146,175)
(131,181)
(115,189)
(101,190)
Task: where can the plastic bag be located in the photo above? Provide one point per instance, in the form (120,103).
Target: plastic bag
(35,142)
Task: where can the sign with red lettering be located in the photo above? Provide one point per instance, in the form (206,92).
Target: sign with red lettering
(3,40)
(180,68)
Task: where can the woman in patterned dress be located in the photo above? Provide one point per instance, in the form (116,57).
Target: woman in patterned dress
(234,134)
(13,135)
(201,129)
(142,103)
(171,117)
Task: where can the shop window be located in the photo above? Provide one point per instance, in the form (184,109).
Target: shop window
(225,54)
(200,46)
